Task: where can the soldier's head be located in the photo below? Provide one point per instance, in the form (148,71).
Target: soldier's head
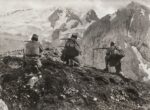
(34,37)
(112,44)
(74,36)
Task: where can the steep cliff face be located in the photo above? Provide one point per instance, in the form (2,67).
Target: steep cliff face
(129,28)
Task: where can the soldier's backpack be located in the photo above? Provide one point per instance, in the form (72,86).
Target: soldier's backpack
(119,54)
(72,48)
(116,53)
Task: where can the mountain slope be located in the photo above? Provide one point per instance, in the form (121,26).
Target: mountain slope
(63,87)
(129,28)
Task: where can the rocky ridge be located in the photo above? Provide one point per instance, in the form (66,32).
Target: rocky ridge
(61,87)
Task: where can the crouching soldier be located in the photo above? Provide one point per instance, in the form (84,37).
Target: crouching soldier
(113,57)
(71,52)
(33,50)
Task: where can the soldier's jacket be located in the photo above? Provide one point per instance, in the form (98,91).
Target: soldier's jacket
(72,48)
(110,50)
(33,48)
(115,52)
(32,53)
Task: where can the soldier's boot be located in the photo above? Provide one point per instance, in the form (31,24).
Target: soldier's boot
(106,69)
(76,62)
(118,69)
(107,64)
(67,62)
(71,63)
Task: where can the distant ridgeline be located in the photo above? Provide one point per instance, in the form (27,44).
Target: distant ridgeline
(17,53)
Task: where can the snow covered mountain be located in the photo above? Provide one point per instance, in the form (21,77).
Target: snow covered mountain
(50,24)
(67,21)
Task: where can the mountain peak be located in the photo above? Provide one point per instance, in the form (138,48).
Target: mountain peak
(91,16)
(133,3)
(137,6)
(63,16)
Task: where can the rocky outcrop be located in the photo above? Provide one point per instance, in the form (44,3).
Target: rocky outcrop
(129,28)
(91,16)
(63,87)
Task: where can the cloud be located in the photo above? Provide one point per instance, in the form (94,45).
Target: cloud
(102,7)
(80,5)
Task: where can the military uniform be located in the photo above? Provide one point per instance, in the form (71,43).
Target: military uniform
(113,58)
(32,54)
(71,52)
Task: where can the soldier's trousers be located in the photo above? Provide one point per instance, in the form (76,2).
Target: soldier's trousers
(32,64)
(117,64)
(73,61)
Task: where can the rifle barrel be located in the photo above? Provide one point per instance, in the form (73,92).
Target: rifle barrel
(99,48)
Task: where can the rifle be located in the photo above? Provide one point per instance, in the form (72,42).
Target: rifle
(101,48)
(106,48)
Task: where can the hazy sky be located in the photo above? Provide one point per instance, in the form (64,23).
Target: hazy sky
(102,7)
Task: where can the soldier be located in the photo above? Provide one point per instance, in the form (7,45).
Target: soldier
(113,57)
(71,51)
(33,50)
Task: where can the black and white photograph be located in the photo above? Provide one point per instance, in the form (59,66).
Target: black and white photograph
(74,54)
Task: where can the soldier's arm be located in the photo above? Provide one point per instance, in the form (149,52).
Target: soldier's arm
(41,48)
(77,46)
(107,51)
(118,48)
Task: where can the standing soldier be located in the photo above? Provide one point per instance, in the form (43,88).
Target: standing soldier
(33,50)
(71,51)
(113,57)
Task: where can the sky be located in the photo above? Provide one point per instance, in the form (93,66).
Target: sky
(102,7)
